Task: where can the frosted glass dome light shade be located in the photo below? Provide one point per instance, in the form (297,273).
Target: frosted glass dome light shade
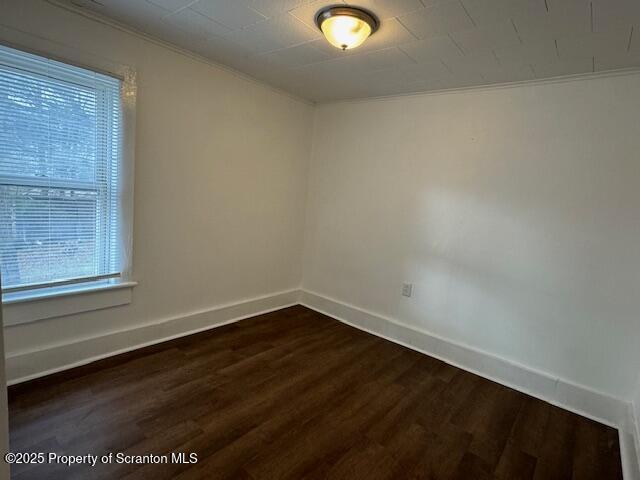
(346,27)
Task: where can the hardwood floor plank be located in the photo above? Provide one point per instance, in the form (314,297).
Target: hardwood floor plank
(515,464)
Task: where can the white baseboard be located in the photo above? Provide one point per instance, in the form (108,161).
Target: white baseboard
(629,451)
(634,420)
(563,393)
(27,365)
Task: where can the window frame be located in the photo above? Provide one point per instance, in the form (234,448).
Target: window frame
(28,304)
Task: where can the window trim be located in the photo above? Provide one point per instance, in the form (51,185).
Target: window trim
(27,307)
(61,283)
(54,301)
(38,294)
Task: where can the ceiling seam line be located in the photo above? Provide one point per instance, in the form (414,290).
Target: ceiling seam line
(513,24)
(468,15)
(457,45)
(407,29)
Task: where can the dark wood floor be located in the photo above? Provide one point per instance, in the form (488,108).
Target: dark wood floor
(296,395)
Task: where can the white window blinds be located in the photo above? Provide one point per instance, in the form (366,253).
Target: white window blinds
(59,162)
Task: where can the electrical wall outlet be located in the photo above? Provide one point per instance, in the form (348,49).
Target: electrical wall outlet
(407,289)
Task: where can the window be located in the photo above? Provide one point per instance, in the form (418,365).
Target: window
(60,149)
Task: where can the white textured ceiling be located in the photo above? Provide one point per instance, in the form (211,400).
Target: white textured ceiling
(421,45)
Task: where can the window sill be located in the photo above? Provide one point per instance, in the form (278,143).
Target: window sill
(30,306)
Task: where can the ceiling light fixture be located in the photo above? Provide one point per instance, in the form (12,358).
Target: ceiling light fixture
(346,27)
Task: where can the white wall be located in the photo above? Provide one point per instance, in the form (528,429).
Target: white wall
(513,211)
(220,179)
